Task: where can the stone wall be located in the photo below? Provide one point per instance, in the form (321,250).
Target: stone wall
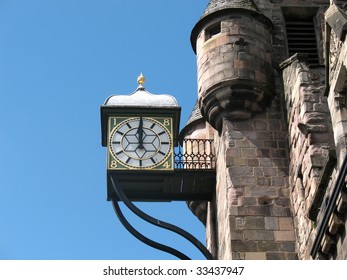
(276,166)
(331,232)
(310,139)
(254,218)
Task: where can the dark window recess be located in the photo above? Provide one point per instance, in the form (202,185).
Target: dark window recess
(301,37)
(212,31)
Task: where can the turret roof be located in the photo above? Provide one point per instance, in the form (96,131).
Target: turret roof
(217,5)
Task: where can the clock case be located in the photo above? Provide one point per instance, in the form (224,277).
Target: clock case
(143,184)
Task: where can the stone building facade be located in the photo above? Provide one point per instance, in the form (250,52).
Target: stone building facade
(272,85)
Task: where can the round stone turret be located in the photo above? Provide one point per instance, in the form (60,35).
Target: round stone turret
(232,41)
(197,129)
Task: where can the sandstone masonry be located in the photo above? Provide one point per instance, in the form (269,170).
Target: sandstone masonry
(279,125)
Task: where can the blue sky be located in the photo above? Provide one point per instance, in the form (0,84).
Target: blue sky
(59,61)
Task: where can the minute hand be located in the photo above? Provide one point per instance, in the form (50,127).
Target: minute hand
(140,134)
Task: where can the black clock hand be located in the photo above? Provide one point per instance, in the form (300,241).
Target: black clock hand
(140,134)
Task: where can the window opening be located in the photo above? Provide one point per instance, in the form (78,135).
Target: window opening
(213,31)
(301,38)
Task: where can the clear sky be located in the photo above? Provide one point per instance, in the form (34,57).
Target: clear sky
(59,61)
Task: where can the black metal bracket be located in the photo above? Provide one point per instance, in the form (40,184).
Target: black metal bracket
(143,238)
(323,225)
(120,193)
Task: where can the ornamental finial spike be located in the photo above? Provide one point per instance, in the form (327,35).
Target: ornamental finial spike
(141,79)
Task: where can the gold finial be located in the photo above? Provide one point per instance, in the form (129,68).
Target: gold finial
(141,79)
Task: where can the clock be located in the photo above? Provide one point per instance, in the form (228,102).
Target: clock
(140,142)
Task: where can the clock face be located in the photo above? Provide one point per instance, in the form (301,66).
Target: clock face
(140,143)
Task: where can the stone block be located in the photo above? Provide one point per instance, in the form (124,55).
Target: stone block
(243,246)
(233,193)
(254,223)
(270,144)
(282,144)
(321,107)
(266,246)
(271,223)
(307,96)
(263,152)
(278,181)
(233,152)
(262,191)
(255,256)
(245,73)
(239,161)
(240,170)
(250,135)
(283,235)
(249,180)
(258,235)
(275,256)
(259,76)
(260,124)
(266,162)
(233,210)
(247,201)
(262,210)
(240,181)
(237,256)
(278,153)
(248,152)
(254,162)
(264,135)
(235,134)
(240,223)
(278,211)
(282,201)
(319,138)
(287,246)
(286,223)
(269,171)
(236,235)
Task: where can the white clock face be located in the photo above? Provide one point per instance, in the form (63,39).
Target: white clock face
(140,143)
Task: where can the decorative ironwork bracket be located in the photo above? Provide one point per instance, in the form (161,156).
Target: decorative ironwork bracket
(120,193)
(143,238)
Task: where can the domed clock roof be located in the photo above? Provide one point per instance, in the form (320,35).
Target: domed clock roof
(140,103)
(142,98)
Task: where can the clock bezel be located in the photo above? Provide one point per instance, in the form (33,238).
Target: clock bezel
(107,112)
(117,122)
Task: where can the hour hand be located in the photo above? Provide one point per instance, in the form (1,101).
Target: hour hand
(140,134)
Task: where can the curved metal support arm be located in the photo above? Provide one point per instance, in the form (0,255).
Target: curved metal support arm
(120,193)
(143,238)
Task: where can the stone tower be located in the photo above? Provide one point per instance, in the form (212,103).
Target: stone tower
(279,135)
(250,217)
